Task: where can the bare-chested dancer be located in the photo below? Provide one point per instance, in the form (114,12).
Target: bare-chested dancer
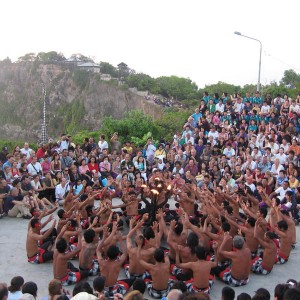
(36,254)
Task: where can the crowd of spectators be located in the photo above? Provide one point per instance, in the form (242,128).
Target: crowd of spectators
(233,171)
(20,290)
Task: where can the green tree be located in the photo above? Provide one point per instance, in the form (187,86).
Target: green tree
(274,88)
(81,78)
(51,56)
(5,62)
(177,87)
(81,57)
(220,88)
(141,81)
(73,116)
(134,124)
(290,77)
(107,68)
(172,122)
(27,57)
(251,88)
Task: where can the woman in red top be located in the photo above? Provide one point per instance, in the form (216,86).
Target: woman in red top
(41,152)
(46,164)
(93,166)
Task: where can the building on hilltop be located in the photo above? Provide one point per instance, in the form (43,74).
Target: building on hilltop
(90,67)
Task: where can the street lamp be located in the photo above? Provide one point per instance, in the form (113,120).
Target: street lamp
(44,125)
(259,66)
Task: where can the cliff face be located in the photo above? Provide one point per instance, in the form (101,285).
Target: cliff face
(75,100)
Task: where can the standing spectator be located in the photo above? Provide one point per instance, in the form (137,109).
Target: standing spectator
(26,150)
(115,144)
(150,148)
(102,144)
(64,143)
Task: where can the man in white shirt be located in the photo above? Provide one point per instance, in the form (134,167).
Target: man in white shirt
(229,151)
(214,133)
(280,192)
(249,163)
(256,154)
(278,100)
(281,156)
(274,146)
(64,142)
(285,145)
(26,150)
(102,144)
(34,168)
(61,190)
(220,106)
(189,139)
(150,148)
(238,106)
(265,109)
(294,107)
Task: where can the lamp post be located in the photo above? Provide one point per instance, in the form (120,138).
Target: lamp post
(44,125)
(259,66)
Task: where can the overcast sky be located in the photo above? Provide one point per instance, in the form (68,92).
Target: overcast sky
(191,39)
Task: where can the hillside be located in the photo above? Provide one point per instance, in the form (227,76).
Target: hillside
(76,100)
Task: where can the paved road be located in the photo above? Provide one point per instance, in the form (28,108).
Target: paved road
(13,262)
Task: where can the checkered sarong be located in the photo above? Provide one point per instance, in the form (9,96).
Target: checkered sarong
(71,278)
(121,287)
(257,267)
(227,278)
(94,270)
(38,258)
(193,289)
(281,259)
(157,294)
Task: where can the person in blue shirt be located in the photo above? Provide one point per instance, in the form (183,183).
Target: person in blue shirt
(197,115)
(248,98)
(257,99)
(253,126)
(77,187)
(216,98)
(206,97)
(9,162)
(248,106)
(254,116)
(224,97)
(281,178)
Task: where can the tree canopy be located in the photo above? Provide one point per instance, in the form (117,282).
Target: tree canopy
(107,68)
(290,77)
(51,56)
